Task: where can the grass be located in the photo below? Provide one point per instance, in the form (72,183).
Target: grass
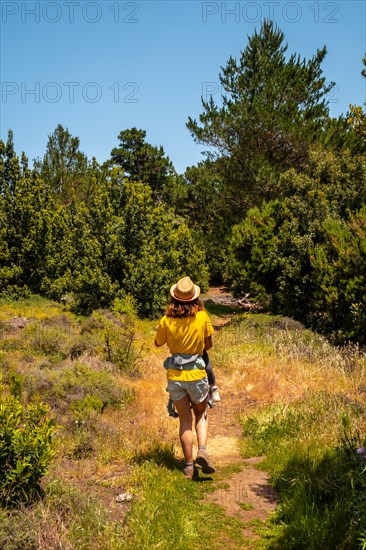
(308,419)
(246,506)
(304,395)
(314,466)
(273,363)
(221,310)
(170,513)
(66,518)
(33,307)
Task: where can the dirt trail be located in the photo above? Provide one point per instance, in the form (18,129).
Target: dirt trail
(247,494)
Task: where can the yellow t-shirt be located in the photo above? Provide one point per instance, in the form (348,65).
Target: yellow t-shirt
(186,335)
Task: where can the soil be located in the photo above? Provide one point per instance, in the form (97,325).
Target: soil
(247,495)
(223,297)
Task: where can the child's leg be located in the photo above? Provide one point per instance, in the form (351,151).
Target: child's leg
(171,408)
(211,378)
(210,375)
(209,369)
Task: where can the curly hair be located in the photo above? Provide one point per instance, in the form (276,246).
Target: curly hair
(175,308)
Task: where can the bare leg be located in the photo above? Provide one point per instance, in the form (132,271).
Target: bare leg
(185,427)
(201,423)
(202,458)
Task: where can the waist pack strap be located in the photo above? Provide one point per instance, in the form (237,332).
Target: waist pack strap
(180,360)
(184,361)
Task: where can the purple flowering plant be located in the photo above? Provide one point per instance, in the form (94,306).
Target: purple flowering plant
(361,451)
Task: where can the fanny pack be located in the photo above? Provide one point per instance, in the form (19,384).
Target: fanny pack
(184,361)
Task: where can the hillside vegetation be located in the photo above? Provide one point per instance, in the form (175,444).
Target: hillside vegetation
(276,210)
(103,382)
(277,213)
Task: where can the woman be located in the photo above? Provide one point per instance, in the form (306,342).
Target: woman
(187,330)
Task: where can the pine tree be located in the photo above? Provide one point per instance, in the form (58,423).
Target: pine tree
(145,163)
(274,107)
(64,167)
(25,207)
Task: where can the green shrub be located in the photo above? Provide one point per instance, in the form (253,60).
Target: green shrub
(4,363)
(115,333)
(89,404)
(27,446)
(75,382)
(339,303)
(53,336)
(17,530)
(303,254)
(16,382)
(125,306)
(75,387)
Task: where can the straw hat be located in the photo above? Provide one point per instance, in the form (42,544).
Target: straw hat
(184,290)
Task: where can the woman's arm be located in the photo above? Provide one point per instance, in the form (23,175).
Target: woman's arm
(160,337)
(208,342)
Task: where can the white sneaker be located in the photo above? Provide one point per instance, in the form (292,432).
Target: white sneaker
(215,393)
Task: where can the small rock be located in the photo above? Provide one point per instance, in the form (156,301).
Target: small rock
(124,497)
(18,322)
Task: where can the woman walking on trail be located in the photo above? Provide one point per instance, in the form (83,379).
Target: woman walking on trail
(187,330)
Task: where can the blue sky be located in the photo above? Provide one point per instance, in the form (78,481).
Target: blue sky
(99,67)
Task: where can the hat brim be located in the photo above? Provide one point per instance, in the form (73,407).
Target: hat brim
(197,292)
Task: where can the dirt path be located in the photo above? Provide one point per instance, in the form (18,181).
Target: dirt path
(247,494)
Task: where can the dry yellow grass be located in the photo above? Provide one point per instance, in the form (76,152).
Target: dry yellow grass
(30,309)
(283,368)
(266,365)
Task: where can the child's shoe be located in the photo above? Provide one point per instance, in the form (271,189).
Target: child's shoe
(215,396)
(171,409)
(210,402)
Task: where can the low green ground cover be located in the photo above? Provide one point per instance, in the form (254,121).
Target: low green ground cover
(317,461)
(306,415)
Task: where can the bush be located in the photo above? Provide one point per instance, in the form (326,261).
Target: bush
(17,530)
(27,446)
(78,394)
(339,303)
(77,381)
(303,254)
(114,333)
(47,339)
(89,404)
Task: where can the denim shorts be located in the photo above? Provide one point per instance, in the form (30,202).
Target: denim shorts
(197,390)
